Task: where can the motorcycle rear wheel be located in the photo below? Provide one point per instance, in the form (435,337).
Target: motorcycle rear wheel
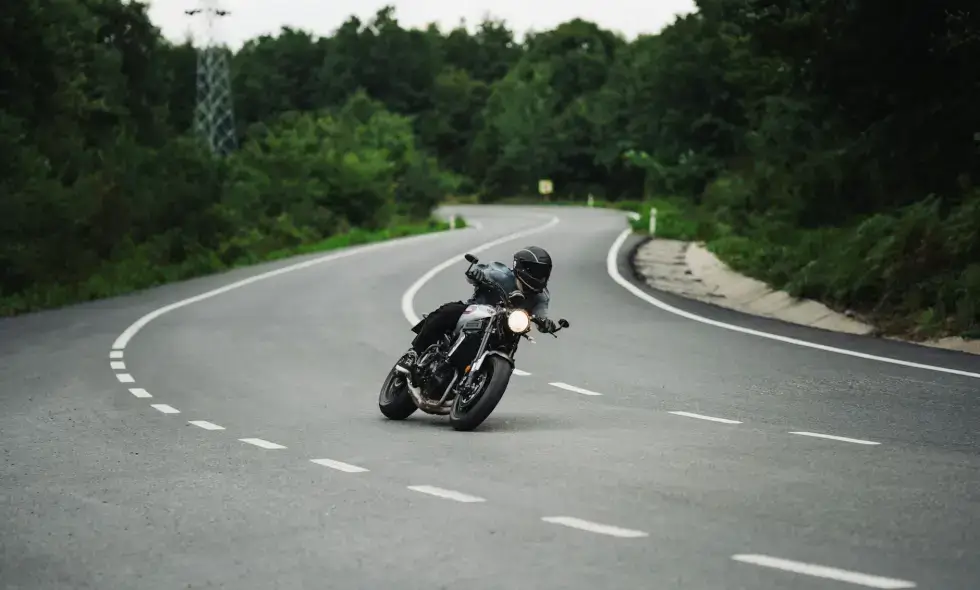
(394,401)
(467,415)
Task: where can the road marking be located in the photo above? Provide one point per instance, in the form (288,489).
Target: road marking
(822,571)
(115,354)
(613,270)
(339,465)
(118,365)
(125,378)
(123,340)
(139,392)
(206,425)
(840,438)
(262,443)
(408,298)
(703,417)
(573,388)
(594,527)
(165,408)
(448,494)
(521,373)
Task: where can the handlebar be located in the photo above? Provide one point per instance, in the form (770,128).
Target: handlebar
(562,323)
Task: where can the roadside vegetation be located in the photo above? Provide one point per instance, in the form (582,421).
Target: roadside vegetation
(830,149)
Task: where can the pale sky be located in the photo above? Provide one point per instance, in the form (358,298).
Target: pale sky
(251,18)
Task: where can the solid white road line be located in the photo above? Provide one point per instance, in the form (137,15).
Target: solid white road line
(703,417)
(206,425)
(115,354)
(573,388)
(840,438)
(118,365)
(139,392)
(138,325)
(339,466)
(820,571)
(262,443)
(521,373)
(408,298)
(125,378)
(165,408)
(447,494)
(613,270)
(594,527)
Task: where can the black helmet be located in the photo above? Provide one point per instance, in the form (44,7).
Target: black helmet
(532,267)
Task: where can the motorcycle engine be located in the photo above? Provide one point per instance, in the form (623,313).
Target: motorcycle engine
(440,374)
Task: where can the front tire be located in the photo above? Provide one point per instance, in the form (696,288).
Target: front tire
(394,401)
(467,417)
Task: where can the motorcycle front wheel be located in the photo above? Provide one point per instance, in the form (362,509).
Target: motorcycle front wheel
(468,412)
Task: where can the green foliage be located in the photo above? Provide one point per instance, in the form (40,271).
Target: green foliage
(800,139)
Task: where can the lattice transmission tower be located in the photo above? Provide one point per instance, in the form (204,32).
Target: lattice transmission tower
(214,113)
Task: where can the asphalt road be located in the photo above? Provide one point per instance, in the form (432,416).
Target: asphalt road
(103,487)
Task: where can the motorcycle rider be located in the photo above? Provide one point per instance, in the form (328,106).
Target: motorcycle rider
(529,274)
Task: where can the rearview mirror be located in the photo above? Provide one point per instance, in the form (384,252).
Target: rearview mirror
(563,323)
(471,259)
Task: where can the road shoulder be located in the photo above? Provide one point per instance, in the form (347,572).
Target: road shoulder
(690,270)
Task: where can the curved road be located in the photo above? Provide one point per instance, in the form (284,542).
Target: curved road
(235,440)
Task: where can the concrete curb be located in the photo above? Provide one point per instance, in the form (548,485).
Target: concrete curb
(691,270)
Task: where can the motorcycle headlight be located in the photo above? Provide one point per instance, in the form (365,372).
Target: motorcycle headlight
(518,321)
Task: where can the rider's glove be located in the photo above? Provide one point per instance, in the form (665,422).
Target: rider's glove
(547,325)
(476,275)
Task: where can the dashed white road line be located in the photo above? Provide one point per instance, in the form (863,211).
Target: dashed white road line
(840,438)
(447,494)
(594,527)
(573,388)
(408,298)
(115,354)
(140,392)
(521,373)
(703,417)
(612,269)
(165,408)
(206,425)
(339,465)
(821,571)
(125,378)
(118,365)
(262,443)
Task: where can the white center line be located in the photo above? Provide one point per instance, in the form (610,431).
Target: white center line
(448,494)
(125,378)
(140,392)
(521,373)
(821,571)
(840,438)
(573,388)
(115,354)
(262,443)
(118,365)
(206,425)
(594,527)
(165,408)
(703,417)
(339,465)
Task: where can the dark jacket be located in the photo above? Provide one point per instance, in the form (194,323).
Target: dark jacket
(535,304)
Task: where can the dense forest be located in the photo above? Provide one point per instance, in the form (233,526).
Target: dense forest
(830,148)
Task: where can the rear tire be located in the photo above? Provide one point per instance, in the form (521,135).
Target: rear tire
(466,419)
(394,401)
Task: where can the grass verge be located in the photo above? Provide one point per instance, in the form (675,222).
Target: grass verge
(140,271)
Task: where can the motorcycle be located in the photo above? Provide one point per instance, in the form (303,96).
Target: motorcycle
(464,374)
